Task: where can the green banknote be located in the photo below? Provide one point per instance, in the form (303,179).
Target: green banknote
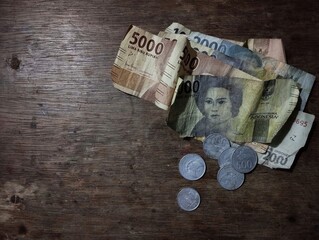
(242,109)
(273,108)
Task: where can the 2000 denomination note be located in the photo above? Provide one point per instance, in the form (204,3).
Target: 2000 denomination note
(258,65)
(269,47)
(147,65)
(283,155)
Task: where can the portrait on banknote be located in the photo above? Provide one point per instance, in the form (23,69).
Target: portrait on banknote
(208,104)
(219,100)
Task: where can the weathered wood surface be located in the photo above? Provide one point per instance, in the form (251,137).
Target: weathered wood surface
(82,160)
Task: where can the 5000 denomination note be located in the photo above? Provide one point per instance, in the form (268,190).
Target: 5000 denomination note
(147,65)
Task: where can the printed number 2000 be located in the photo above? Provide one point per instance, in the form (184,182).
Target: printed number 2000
(274,158)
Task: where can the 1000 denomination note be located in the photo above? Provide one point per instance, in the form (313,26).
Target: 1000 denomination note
(147,65)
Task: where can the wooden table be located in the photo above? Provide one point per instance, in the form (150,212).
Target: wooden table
(81,160)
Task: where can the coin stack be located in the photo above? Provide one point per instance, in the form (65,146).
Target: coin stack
(234,162)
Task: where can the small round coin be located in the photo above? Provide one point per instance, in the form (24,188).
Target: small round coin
(214,144)
(244,159)
(229,178)
(226,157)
(188,199)
(192,166)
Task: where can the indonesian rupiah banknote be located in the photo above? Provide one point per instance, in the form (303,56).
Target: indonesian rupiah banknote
(208,104)
(269,48)
(147,66)
(256,64)
(152,67)
(154,78)
(278,100)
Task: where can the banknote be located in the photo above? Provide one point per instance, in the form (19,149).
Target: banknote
(155,77)
(268,63)
(269,115)
(147,66)
(269,47)
(254,63)
(281,153)
(239,108)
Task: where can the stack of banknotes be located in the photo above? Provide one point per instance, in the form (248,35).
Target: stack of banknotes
(243,90)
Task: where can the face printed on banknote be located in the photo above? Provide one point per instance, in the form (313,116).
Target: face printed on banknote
(208,104)
(219,101)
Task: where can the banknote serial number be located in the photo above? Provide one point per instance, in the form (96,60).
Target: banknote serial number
(149,44)
(302,123)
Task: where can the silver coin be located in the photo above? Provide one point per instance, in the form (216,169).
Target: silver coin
(226,157)
(244,159)
(188,199)
(192,166)
(229,178)
(214,144)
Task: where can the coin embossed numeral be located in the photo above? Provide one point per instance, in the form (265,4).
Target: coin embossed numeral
(244,164)
(148,44)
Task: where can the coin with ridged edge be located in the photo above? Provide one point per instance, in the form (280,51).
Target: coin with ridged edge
(244,159)
(229,178)
(214,144)
(192,166)
(188,199)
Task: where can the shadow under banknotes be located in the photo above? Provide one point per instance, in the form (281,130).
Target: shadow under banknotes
(282,133)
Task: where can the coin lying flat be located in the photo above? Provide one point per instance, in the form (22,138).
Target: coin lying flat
(229,178)
(188,199)
(214,144)
(226,157)
(244,159)
(192,166)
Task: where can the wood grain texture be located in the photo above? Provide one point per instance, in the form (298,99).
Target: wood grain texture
(82,160)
